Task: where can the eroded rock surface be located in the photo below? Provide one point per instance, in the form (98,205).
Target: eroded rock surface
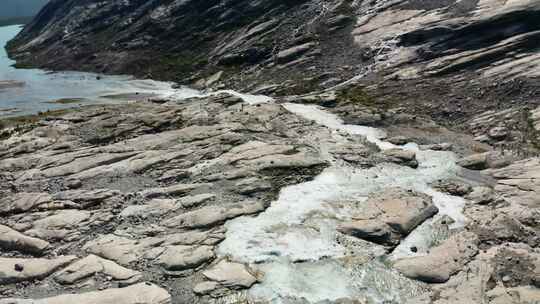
(141,192)
(388,217)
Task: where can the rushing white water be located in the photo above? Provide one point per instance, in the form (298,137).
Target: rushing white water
(295,240)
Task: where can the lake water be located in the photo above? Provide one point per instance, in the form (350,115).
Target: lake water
(41,88)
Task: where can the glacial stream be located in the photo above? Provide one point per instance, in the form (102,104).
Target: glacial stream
(295,242)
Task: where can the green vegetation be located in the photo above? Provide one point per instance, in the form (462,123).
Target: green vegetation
(356,95)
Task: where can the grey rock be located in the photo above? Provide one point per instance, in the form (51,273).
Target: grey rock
(13,270)
(13,240)
(92,265)
(212,215)
(388,217)
(401,156)
(143,293)
(181,257)
(442,261)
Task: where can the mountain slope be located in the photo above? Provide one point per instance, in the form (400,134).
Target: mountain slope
(480,55)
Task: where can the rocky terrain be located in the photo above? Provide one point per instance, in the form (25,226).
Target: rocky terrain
(162,203)
(397,163)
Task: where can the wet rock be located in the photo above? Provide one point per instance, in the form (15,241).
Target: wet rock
(437,147)
(453,187)
(442,261)
(143,293)
(92,265)
(13,270)
(401,156)
(13,240)
(388,217)
(475,161)
(398,140)
(180,257)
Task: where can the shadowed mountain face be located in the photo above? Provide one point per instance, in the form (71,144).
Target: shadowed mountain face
(20,8)
(175,39)
(293,47)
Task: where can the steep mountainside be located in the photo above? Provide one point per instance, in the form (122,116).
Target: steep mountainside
(481,55)
(171,39)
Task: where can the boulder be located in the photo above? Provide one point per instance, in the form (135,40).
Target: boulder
(454,187)
(481,195)
(398,140)
(442,261)
(386,218)
(401,156)
(498,133)
(13,270)
(475,161)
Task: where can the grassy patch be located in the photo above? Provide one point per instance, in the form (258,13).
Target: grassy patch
(356,95)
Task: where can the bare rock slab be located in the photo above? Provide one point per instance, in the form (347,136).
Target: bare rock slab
(386,218)
(443,261)
(13,240)
(13,270)
(143,293)
(92,265)
(212,215)
(177,258)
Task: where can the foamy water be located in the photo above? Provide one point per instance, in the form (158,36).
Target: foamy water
(295,241)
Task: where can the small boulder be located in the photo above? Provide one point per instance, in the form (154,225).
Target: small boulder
(474,162)
(388,217)
(442,261)
(481,195)
(453,187)
(498,133)
(401,156)
(398,140)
